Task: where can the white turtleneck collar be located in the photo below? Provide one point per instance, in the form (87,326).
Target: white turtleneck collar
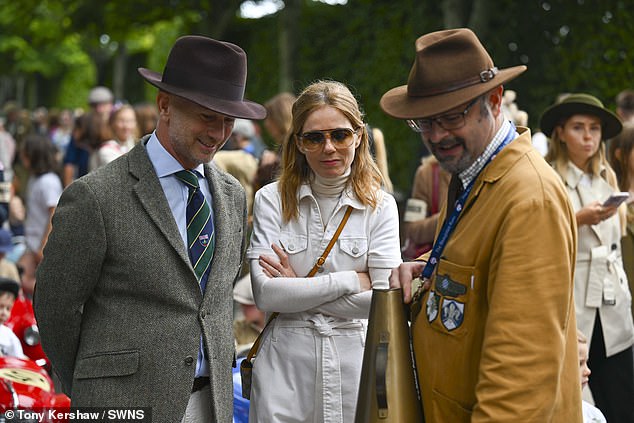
(329,187)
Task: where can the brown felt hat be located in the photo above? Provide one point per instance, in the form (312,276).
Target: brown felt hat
(451,68)
(210,73)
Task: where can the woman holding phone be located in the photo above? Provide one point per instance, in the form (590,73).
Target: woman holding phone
(577,126)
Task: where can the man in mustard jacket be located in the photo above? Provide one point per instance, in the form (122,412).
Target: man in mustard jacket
(493,323)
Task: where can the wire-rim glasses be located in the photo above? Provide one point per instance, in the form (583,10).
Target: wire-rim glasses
(448,121)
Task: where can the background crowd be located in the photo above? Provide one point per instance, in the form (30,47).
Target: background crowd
(42,151)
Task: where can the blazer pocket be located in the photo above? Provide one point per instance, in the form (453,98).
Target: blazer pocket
(108,364)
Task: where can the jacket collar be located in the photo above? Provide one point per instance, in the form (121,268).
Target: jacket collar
(574,174)
(348,197)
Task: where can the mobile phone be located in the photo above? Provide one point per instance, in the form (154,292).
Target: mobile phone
(616,199)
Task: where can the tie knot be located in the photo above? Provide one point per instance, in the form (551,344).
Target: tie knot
(188,177)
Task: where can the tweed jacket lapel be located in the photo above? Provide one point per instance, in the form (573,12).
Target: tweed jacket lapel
(224,202)
(150,193)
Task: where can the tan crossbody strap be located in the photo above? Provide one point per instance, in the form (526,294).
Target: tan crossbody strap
(320,262)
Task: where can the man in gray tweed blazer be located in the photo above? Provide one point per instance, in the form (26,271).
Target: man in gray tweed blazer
(121,313)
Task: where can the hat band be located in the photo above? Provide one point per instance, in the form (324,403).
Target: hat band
(484,76)
(181,78)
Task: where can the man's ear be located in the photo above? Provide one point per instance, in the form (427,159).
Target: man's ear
(494,98)
(163,102)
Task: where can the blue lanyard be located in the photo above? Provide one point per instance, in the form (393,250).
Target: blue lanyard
(450,224)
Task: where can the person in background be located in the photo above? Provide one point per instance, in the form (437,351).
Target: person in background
(277,124)
(625,106)
(146,116)
(491,270)
(237,158)
(134,298)
(43,190)
(591,414)
(621,157)
(77,157)
(61,130)
(379,153)
(117,136)
(246,328)
(577,126)
(8,269)
(429,194)
(9,343)
(312,352)
(125,127)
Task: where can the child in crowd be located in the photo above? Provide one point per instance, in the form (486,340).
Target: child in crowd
(591,414)
(9,343)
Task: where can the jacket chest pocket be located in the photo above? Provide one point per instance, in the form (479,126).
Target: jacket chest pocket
(293,243)
(354,247)
(449,304)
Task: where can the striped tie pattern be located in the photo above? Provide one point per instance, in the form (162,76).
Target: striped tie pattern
(201,238)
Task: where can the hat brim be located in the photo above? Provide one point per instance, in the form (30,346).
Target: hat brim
(244,109)
(611,126)
(399,105)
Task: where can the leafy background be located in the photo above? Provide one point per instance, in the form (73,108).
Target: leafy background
(54,51)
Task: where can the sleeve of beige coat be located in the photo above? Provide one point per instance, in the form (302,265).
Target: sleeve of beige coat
(531,311)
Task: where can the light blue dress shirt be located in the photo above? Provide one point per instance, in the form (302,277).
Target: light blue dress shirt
(176,193)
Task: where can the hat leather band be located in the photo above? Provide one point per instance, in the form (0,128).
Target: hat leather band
(484,76)
(219,88)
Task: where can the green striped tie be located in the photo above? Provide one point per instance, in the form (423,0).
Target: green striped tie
(201,238)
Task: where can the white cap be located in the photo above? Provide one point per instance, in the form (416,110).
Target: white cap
(242,291)
(244,127)
(100,95)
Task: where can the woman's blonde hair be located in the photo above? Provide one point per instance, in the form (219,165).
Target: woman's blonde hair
(365,178)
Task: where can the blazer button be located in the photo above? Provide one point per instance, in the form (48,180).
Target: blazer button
(203,314)
(614,247)
(189,360)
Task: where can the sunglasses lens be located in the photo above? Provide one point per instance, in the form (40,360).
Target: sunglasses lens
(340,136)
(315,138)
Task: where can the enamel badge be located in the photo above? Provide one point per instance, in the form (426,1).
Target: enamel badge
(432,306)
(203,239)
(452,314)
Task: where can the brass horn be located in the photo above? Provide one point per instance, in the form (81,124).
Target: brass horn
(388,391)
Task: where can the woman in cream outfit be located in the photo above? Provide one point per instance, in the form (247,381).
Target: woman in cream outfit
(309,364)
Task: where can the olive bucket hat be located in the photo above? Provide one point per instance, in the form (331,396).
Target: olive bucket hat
(580,104)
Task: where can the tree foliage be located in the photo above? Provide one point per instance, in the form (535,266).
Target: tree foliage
(62,47)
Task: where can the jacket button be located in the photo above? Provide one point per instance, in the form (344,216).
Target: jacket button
(614,247)
(189,360)
(203,314)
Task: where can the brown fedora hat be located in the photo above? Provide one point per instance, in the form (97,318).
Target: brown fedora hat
(210,73)
(451,68)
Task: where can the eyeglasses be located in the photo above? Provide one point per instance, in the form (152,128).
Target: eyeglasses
(448,122)
(340,138)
